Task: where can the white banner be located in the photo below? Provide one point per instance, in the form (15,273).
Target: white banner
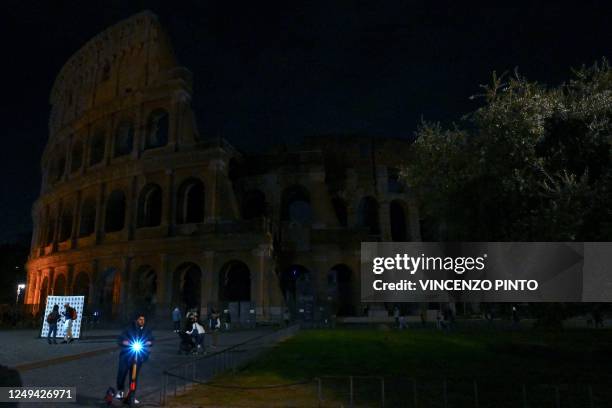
(76,302)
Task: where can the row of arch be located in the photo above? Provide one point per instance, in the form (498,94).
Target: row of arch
(295,207)
(234,285)
(190,209)
(156,135)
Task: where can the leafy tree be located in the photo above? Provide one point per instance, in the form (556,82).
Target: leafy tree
(532,164)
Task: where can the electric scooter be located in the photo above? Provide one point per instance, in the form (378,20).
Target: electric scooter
(136,347)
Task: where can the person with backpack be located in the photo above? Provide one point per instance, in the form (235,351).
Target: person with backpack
(52,319)
(70,315)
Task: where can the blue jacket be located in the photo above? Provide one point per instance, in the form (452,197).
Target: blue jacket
(131,333)
(176,315)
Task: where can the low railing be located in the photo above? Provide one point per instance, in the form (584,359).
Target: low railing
(201,369)
(373,391)
(378,391)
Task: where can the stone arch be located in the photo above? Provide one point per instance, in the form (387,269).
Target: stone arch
(157,129)
(145,289)
(97,147)
(124,138)
(295,205)
(296,286)
(81,284)
(150,206)
(59,287)
(398,220)
(339,289)
(253,205)
(65,231)
(367,215)
(76,158)
(44,289)
(187,285)
(109,292)
(234,282)
(341,210)
(190,201)
(114,219)
(87,223)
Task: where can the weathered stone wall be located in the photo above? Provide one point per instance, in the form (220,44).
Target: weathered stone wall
(133,200)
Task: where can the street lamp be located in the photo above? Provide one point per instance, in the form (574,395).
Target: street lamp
(20,289)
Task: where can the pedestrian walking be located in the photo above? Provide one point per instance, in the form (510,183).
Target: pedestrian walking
(52,320)
(176,319)
(213,325)
(396,315)
(402,322)
(70,315)
(227,318)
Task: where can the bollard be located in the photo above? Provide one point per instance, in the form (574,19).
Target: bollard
(476,394)
(591,404)
(382,391)
(414,392)
(319,392)
(525,396)
(557,397)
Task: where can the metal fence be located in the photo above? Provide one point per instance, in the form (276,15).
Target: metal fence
(373,391)
(201,369)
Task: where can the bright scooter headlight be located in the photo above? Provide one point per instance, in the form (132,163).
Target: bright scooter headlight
(136,346)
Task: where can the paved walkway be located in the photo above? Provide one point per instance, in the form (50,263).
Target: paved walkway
(91,365)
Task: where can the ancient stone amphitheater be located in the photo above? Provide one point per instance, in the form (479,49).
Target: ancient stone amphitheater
(138,210)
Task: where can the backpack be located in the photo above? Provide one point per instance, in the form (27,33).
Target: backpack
(52,318)
(73,313)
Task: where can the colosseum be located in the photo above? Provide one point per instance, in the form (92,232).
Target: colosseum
(139,210)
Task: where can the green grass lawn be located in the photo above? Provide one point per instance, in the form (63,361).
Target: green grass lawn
(500,363)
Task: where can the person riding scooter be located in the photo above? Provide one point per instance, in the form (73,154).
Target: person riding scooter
(135,342)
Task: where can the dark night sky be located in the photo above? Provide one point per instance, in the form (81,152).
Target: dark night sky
(268,75)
